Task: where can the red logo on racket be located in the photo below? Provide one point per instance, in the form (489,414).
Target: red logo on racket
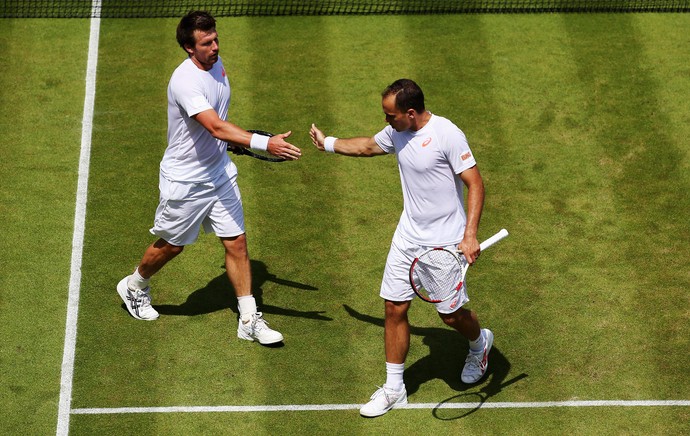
(426,142)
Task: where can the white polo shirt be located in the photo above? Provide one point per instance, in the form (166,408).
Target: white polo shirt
(429,161)
(193,154)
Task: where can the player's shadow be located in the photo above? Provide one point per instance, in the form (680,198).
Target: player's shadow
(219,294)
(446,357)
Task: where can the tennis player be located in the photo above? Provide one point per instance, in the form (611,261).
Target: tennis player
(435,162)
(198,181)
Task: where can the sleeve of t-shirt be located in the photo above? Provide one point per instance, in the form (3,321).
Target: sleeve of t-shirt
(458,151)
(189,95)
(384,139)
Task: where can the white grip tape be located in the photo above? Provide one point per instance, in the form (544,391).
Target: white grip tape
(492,240)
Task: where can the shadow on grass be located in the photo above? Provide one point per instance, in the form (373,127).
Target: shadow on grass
(218,294)
(447,353)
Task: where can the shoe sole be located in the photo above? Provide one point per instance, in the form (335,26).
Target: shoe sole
(490,340)
(490,336)
(122,292)
(393,406)
(251,339)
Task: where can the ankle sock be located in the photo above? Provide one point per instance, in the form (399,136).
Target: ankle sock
(394,376)
(247,307)
(136,281)
(477,346)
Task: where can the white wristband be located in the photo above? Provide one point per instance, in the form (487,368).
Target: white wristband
(329,144)
(258,142)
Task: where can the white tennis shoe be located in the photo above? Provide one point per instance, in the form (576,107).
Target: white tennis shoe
(257,329)
(477,363)
(382,401)
(138,301)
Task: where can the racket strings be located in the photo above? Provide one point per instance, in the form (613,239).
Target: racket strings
(439,273)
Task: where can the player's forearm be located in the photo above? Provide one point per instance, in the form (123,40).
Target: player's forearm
(231,133)
(357,147)
(223,130)
(475,205)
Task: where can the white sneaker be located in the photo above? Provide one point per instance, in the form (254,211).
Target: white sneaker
(477,363)
(382,401)
(257,330)
(138,301)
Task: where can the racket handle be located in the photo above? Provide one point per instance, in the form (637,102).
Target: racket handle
(492,240)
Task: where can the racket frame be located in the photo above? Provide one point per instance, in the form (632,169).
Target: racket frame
(463,265)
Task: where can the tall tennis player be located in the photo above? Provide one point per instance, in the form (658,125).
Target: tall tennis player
(198,180)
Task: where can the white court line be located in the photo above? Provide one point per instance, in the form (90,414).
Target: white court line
(67,371)
(327,407)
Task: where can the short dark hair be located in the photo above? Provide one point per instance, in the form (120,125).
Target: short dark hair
(408,95)
(195,20)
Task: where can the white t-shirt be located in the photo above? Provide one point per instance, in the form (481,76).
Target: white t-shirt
(193,154)
(430,160)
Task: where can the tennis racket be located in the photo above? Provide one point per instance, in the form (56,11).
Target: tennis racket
(256,154)
(438,274)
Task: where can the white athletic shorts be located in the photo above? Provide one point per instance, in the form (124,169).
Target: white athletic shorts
(185,207)
(395,285)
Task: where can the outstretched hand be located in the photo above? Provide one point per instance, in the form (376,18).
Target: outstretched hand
(278,146)
(317,137)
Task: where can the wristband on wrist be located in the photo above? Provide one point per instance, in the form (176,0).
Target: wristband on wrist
(329,144)
(258,142)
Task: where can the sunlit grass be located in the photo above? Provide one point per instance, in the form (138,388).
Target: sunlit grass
(578,125)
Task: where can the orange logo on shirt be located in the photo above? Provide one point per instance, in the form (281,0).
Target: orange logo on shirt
(466,156)
(426,142)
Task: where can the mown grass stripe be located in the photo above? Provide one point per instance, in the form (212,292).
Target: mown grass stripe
(641,162)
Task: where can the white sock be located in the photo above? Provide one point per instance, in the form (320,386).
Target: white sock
(247,307)
(136,281)
(394,376)
(477,346)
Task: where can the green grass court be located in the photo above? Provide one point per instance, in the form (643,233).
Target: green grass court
(580,125)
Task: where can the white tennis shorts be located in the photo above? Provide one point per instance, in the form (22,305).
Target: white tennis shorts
(185,207)
(395,285)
